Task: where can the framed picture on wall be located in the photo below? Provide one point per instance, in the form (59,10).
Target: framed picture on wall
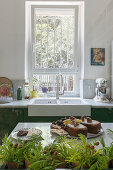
(98,56)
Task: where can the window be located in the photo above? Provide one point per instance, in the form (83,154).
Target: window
(54,38)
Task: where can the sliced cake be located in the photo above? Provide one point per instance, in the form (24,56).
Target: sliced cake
(75,129)
(93,126)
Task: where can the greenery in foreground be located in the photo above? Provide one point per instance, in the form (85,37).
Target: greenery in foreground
(76,154)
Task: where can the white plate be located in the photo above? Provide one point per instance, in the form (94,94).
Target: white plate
(89,135)
(14,134)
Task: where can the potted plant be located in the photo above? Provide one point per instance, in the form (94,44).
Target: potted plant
(33,147)
(47,157)
(83,155)
(34,93)
(108,151)
(33,154)
(12,154)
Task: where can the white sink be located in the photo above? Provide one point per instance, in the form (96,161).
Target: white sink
(45,101)
(61,107)
(59,101)
(71,101)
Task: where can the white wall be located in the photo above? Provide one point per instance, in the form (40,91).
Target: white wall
(98,33)
(12,39)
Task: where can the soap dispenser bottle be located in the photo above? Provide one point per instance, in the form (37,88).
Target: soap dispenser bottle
(19,93)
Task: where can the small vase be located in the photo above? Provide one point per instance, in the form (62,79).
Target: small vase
(62,165)
(13,165)
(44,89)
(34,94)
(86,166)
(110,163)
(75,164)
(27,163)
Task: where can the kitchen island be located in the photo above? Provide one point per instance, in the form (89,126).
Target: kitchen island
(17,111)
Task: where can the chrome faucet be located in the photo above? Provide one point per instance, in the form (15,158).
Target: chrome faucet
(58,93)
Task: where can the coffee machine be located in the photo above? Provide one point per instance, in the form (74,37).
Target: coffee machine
(100,90)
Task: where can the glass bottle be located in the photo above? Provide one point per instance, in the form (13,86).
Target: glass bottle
(26,90)
(19,93)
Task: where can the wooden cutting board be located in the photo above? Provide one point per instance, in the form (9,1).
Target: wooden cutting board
(6,87)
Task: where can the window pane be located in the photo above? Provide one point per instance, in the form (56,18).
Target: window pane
(50,81)
(54,41)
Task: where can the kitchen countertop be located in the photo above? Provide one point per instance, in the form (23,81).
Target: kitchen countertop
(17,104)
(48,137)
(25,103)
(99,104)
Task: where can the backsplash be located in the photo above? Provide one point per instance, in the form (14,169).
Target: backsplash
(87,88)
(17,83)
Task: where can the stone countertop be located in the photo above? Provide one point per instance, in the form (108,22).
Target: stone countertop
(25,103)
(48,137)
(99,104)
(16,104)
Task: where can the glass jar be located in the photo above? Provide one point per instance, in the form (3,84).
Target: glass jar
(26,91)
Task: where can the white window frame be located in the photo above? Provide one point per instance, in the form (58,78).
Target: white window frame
(29,44)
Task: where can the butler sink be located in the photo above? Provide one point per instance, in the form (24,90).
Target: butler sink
(60,107)
(44,101)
